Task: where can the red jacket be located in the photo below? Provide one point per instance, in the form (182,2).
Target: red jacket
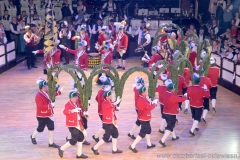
(100,98)
(85,38)
(54,59)
(43,103)
(170,102)
(101,38)
(107,60)
(154,59)
(161,89)
(108,112)
(187,75)
(144,108)
(213,74)
(136,95)
(72,119)
(196,95)
(181,84)
(82,61)
(122,41)
(192,58)
(206,81)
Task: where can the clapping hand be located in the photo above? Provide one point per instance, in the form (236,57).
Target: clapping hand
(76,110)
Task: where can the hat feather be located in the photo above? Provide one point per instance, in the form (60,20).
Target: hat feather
(138,86)
(137,79)
(107,88)
(65,23)
(39,80)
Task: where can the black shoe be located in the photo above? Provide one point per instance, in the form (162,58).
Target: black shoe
(60,152)
(82,156)
(109,141)
(197,129)
(131,136)
(180,108)
(214,110)
(34,67)
(95,139)
(152,146)
(86,143)
(204,120)
(123,68)
(33,140)
(163,144)
(176,120)
(29,68)
(67,139)
(191,133)
(133,149)
(161,131)
(95,151)
(174,139)
(118,67)
(53,145)
(185,111)
(117,151)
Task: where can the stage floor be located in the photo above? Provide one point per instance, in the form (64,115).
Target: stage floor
(219,137)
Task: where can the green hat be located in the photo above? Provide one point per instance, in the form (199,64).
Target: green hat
(107,91)
(200,72)
(169,83)
(196,78)
(72,94)
(141,88)
(41,82)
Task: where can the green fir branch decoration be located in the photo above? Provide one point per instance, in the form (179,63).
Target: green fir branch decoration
(184,48)
(184,61)
(205,44)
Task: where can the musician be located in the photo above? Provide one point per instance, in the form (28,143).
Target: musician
(81,57)
(8,18)
(213,27)
(83,36)
(35,19)
(53,57)
(30,38)
(140,30)
(81,8)
(75,125)
(109,121)
(21,31)
(14,32)
(44,113)
(88,28)
(109,6)
(65,36)
(128,32)
(112,28)
(121,47)
(101,37)
(32,7)
(193,54)
(145,42)
(67,11)
(97,29)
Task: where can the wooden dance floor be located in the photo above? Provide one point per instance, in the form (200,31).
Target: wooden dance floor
(221,134)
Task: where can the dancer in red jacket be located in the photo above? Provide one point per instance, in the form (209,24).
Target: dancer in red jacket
(45,113)
(75,124)
(170,110)
(196,94)
(109,121)
(144,116)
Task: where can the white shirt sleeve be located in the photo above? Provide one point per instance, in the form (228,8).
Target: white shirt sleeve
(235,57)
(224,5)
(138,30)
(237,22)
(216,30)
(4,40)
(130,30)
(148,37)
(89,28)
(84,9)
(93,30)
(69,35)
(70,7)
(26,38)
(104,6)
(78,28)
(18,28)
(114,6)
(12,30)
(230,8)
(60,35)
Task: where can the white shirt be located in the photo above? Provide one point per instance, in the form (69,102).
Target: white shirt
(4,40)
(20,27)
(12,29)
(148,37)
(68,36)
(81,9)
(110,8)
(225,6)
(229,55)
(200,38)
(129,31)
(94,31)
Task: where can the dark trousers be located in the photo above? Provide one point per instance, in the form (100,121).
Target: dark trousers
(196,113)
(65,53)
(123,57)
(42,122)
(206,103)
(15,38)
(171,121)
(161,107)
(30,56)
(110,130)
(145,128)
(8,35)
(84,119)
(213,92)
(100,116)
(138,123)
(77,135)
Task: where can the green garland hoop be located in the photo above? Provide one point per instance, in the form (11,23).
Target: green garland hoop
(183,47)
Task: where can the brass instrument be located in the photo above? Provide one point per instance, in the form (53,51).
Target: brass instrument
(39,35)
(139,49)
